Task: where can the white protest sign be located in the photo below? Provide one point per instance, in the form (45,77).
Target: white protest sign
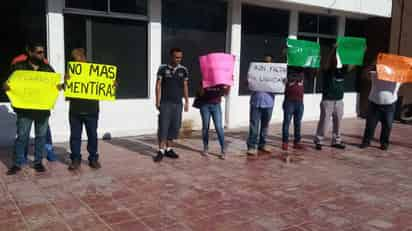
(267,77)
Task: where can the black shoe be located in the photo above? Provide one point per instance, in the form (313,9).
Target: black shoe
(171,154)
(158,157)
(39,167)
(364,145)
(74,165)
(339,146)
(94,164)
(384,147)
(13,170)
(318,147)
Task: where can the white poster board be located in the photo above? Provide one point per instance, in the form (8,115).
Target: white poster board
(267,77)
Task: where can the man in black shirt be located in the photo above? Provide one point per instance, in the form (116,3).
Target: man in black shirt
(171,87)
(25,117)
(83,111)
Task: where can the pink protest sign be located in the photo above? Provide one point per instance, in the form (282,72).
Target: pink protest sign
(217,68)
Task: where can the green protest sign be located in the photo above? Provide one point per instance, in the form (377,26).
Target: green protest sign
(303,53)
(351,50)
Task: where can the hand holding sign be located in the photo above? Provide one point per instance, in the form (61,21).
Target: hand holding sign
(351,50)
(303,53)
(91,81)
(267,77)
(394,68)
(33,89)
(217,68)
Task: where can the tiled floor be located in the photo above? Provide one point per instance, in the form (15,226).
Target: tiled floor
(327,190)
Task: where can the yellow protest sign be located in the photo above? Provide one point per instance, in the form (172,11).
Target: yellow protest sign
(33,89)
(91,81)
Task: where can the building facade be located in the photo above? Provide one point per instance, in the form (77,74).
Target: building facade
(136,36)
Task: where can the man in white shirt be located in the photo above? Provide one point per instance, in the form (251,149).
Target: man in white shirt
(381,108)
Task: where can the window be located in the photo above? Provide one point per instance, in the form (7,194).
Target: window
(356,28)
(118,6)
(113,41)
(98,5)
(198,28)
(317,24)
(264,31)
(321,29)
(129,6)
(22,25)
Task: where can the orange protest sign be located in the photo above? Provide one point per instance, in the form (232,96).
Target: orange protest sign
(394,68)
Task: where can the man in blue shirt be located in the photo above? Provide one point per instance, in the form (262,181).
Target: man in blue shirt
(261,108)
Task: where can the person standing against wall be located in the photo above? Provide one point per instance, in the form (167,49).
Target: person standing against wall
(261,108)
(381,108)
(83,112)
(293,107)
(333,89)
(171,87)
(209,100)
(51,156)
(26,117)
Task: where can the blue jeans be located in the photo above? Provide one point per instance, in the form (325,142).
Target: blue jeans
(48,147)
(259,119)
(23,135)
(76,129)
(292,109)
(214,111)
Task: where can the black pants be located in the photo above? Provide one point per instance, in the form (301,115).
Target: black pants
(379,113)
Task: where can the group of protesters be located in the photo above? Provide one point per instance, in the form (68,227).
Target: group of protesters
(172,98)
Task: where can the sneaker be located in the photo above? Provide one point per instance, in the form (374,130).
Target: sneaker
(39,167)
(285,146)
(384,147)
(51,156)
(222,156)
(204,153)
(158,157)
(95,164)
(318,147)
(74,165)
(298,146)
(265,149)
(171,154)
(13,170)
(364,145)
(252,152)
(339,146)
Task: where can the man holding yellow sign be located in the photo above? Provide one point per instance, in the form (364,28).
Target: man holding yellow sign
(33,91)
(86,84)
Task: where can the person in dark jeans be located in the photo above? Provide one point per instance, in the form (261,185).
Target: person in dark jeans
(171,87)
(293,107)
(51,156)
(25,117)
(83,112)
(210,99)
(381,108)
(260,114)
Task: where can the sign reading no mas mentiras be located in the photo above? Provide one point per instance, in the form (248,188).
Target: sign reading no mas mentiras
(91,81)
(267,77)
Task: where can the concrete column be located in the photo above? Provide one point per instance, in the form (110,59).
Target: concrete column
(235,32)
(154,43)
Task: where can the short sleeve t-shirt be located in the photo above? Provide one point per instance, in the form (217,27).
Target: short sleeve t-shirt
(383,92)
(173,79)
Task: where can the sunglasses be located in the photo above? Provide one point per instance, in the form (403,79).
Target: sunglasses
(39,52)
